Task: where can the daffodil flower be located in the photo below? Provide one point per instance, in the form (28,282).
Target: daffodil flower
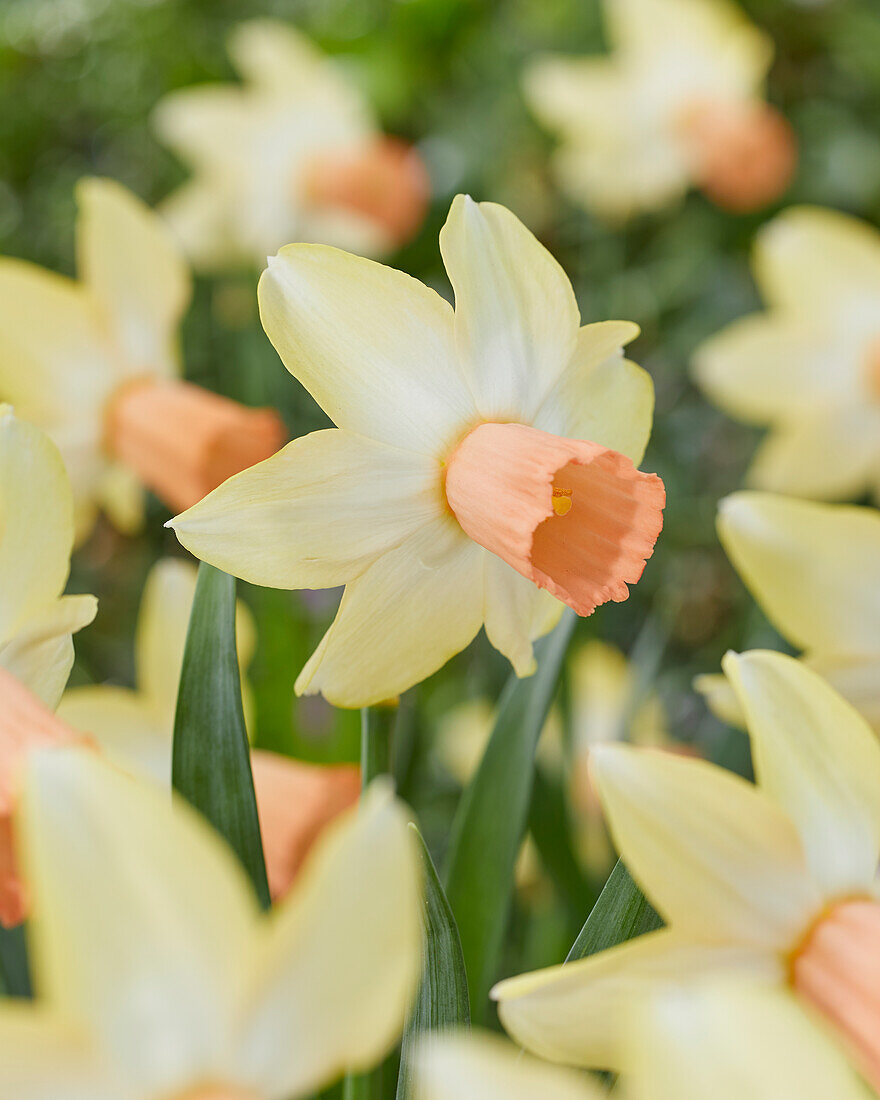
(677,103)
(725,1041)
(482,467)
(815,571)
(134,729)
(292,154)
(772,883)
(37,622)
(156,976)
(94,363)
(808,368)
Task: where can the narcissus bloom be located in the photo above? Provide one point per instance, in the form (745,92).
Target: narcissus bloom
(94,363)
(815,571)
(677,104)
(809,366)
(723,1041)
(134,728)
(37,622)
(293,154)
(157,978)
(482,469)
(774,883)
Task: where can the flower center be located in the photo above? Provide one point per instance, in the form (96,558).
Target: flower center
(384,180)
(182,441)
(743,154)
(837,969)
(573,517)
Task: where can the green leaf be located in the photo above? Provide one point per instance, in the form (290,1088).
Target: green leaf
(491,818)
(442,1000)
(211,763)
(377,725)
(550,826)
(15,975)
(621,913)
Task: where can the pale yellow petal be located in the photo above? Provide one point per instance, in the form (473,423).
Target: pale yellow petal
(819,760)
(199,214)
(43,1057)
(706,846)
(814,262)
(342,956)
(131,264)
(734,1041)
(720,698)
(121,495)
(573,95)
(813,568)
(833,454)
(601,396)
(317,514)
(119,721)
(141,917)
(41,654)
(374,347)
(481,1066)
(856,678)
(516,613)
(766,368)
(576,1013)
(36,523)
(601,686)
(516,317)
(401,620)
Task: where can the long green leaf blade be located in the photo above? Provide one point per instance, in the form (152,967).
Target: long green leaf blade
(442,1000)
(491,818)
(211,764)
(621,913)
(15,974)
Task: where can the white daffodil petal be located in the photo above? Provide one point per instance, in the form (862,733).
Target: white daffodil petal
(41,654)
(720,698)
(857,679)
(141,917)
(814,262)
(44,1058)
(374,347)
(830,455)
(401,620)
(516,613)
(731,1041)
(315,515)
(342,956)
(601,396)
(481,1066)
(819,760)
(813,568)
(36,523)
(766,368)
(130,263)
(704,845)
(119,722)
(516,317)
(575,1013)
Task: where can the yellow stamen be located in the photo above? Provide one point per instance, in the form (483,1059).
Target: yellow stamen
(561,501)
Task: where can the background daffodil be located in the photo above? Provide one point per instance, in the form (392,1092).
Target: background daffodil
(677,103)
(482,467)
(809,366)
(774,883)
(37,622)
(134,727)
(157,977)
(815,571)
(94,363)
(293,154)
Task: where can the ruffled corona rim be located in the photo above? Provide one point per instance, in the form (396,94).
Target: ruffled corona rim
(182,441)
(573,517)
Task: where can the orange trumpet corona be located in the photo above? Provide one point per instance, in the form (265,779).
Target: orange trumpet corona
(182,441)
(837,969)
(573,517)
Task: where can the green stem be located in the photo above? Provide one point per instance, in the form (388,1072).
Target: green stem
(377,724)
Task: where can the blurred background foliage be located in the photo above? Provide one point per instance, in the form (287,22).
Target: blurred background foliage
(79,79)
